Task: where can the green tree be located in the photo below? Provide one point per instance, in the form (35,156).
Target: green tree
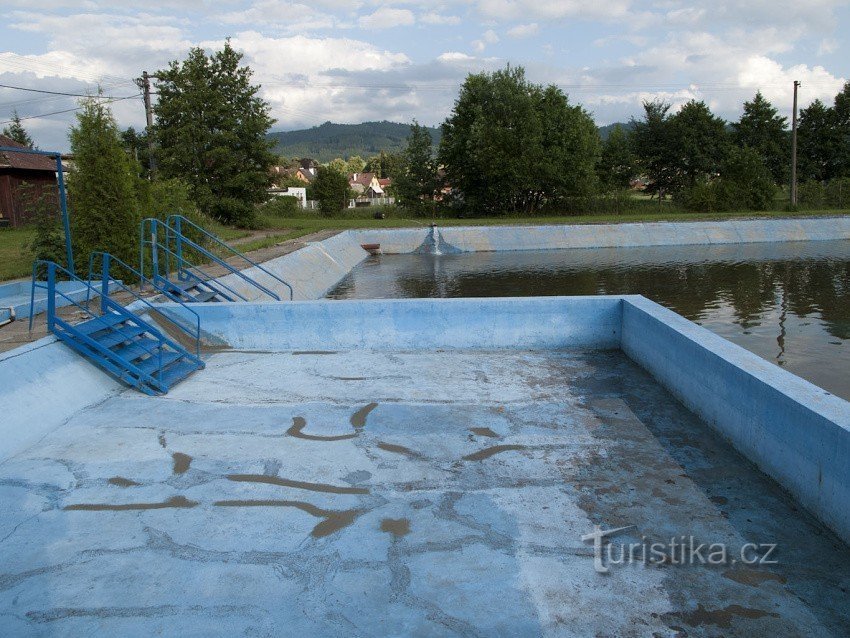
(331,189)
(17,132)
(510,145)
(763,130)
(745,181)
(841,132)
(136,144)
(211,132)
(385,165)
(418,183)
(654,147)
(815,142)
(617,163)
(339,165)
(101,186)
(355,164)
(700,141)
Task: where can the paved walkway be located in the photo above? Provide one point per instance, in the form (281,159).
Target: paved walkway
(17,333)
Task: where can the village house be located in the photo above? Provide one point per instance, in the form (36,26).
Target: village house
(368,185)
(24,181)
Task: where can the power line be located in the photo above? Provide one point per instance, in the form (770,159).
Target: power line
(109,101)
(24,88)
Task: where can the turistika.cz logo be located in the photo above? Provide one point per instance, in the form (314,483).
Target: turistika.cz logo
(679,551)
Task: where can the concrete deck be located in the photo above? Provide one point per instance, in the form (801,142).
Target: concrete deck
(400,493)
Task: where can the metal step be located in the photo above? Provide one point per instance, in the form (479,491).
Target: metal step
(120,335)
(152,365)
(136,349)
(178,372)
(104,322)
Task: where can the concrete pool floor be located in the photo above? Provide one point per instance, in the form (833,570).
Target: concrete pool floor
(400,493)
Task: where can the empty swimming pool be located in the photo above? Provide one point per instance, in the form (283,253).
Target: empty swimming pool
(787,302)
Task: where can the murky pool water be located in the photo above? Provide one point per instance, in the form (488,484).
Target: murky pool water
(788,302)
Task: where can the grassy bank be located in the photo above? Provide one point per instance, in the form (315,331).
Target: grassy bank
(16,259)
(296,227)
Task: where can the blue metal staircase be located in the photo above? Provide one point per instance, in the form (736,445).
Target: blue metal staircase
(170,244)
(117,339)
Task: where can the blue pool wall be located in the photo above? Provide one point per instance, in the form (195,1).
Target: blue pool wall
(315,269)
(794,431)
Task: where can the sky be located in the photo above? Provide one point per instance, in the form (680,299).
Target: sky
(361,60)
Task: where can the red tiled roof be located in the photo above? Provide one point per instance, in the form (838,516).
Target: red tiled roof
(24,161)
(362,178)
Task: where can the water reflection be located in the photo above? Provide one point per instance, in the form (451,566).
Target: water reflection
(789,302)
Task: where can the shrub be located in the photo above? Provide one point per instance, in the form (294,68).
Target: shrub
(281,206)
(811,194)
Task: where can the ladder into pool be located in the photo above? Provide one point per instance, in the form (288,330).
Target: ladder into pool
(169,245)
(127,343)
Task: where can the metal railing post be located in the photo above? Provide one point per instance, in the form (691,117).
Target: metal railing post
(104,282)
(51,294)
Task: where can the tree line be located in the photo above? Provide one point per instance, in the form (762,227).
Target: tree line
(509,146)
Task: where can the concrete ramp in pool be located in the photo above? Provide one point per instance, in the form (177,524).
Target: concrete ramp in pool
(380,468)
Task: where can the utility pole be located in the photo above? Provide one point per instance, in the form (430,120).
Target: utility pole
(794,147)
(144,83)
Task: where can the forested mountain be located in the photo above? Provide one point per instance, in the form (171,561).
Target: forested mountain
(328,141)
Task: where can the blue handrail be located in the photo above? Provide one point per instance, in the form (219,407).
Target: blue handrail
(171,235)
(175,223)
(106,262)
(50,286)
(188,272)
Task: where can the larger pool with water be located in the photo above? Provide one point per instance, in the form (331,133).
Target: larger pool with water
(787,302)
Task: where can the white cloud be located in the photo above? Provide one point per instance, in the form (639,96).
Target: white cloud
(553,9)
(488,37)
(385,18)
(523,30)
(439,19)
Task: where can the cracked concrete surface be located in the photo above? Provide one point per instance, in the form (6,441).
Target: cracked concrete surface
(424,493)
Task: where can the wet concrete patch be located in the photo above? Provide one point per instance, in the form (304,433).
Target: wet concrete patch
(300,485)
(486,453)
(399,449)
(120,481)
(722,618)
(485,431)
(333,520)
(396,526)
(181,462)
(174,502)
(298,425)
(358,419)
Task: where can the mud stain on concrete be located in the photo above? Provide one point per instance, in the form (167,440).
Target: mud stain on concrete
(752,577)
(487,452)
(299,485)
(720,617)
(299,423)
(484,432)
(120,481)
(358,419)
(173,502)
(399,449)
(396,526)
(181,462)
(333,520)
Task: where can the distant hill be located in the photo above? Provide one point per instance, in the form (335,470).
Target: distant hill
(605,131)
(328,141)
